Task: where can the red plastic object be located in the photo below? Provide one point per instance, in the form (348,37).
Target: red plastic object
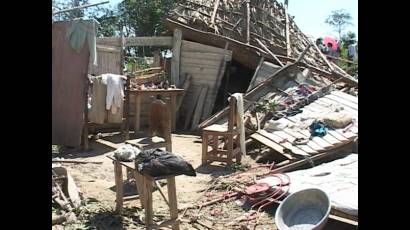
(257,188)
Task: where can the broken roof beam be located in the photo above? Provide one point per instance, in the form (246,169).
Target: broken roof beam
(288,49)
(269,52)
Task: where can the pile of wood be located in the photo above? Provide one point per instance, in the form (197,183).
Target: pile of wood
(65,196)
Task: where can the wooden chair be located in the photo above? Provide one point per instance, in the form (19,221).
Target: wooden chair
(159,133)
(223,140)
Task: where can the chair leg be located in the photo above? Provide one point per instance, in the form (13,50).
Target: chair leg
(230,149)
(172,198)
(118,186)
(204,147)
(238,156)
(148,201)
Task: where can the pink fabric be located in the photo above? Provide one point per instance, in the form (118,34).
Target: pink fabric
(332,41)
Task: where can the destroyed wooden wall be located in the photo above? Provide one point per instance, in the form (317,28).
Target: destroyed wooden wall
(109,60)
(202,62)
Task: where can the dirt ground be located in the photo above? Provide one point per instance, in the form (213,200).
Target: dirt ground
(96,182)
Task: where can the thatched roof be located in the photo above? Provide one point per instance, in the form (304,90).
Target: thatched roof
(267,30)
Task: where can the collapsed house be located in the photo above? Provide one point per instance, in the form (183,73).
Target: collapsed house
(262,39)
(220,48)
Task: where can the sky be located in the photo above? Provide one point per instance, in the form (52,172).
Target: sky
(310,15)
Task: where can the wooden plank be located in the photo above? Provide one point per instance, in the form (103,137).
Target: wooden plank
(204,55)
(269,52)
(216,5)
(198,62)
(108,143)
(199,108)
(191,108)
(149,41)
(195,47)
(212,96)
(200,70)
(290,139)
(277,139)
(288,46)
(248,22)
(176,53)
(185,86)
(346,96)
(342,101)
(311,143)
(137,113)
(278,148)
(109,41)
(327,102)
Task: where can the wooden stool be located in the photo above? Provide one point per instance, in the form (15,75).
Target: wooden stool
(145,185)
(228,135)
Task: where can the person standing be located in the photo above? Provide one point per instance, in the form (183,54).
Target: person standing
(351,51)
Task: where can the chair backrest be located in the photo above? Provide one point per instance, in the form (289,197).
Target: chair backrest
(160,120)
(232,114)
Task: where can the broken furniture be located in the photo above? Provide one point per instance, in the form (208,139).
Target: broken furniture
(170,92)
(145,186)
(229,135)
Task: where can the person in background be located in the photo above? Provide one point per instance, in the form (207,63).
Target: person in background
(331,53)
(351,50)
(319,43)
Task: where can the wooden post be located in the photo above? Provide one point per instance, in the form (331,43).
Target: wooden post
(199,108)
(248,22)
(85,124)
(137,112)
(228,74)
(118,186)
(204,146)
(127,108)
(288,48)
(172,198)
(176,53)
(173,111)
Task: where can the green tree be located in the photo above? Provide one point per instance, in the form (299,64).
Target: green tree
(349,36)
(339,19)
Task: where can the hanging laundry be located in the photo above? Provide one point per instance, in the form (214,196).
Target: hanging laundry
(115,92)
(81,30)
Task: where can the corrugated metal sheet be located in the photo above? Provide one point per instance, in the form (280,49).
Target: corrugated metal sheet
(69,74)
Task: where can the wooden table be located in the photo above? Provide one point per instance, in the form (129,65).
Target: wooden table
(145,187)
(172,93)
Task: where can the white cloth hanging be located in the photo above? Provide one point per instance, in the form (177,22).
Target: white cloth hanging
(239,120)
(115,92)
